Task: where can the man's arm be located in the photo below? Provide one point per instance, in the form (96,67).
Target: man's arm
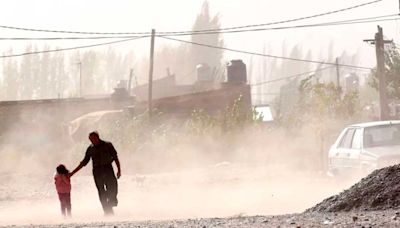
(83,163)
(118,166)
(80,166)
(115,157)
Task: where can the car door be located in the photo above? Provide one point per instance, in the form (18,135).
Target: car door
(334,159)
(344,150)
(354,152)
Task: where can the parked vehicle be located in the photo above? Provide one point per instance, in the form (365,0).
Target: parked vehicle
(365,147)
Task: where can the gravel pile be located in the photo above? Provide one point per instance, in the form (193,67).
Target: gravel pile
(378,191)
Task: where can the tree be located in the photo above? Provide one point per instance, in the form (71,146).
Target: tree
(10,78)
(91,82)
(59,78)
(27,74)
(392,73)
(288,94)
(46,86)
(199,54)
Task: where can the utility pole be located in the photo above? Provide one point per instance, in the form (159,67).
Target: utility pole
(380,71)
(130,81)
(380,66)
(150,97)
(337,73)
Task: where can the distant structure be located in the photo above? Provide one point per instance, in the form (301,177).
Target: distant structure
(352,82)
(205,93)
(204,73)
(237,71)
(168,87)
(121,91)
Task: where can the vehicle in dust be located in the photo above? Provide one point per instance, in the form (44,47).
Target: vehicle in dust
(365,147)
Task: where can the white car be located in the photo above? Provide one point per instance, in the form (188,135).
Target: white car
(365,147)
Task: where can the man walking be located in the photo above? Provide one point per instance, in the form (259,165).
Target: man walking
(103,154)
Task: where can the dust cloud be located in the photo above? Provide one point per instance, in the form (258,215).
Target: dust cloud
(175,175)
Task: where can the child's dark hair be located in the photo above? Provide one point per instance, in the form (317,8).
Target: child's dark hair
(62,170)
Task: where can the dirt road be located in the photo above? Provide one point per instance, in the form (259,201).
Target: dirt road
(226,190)
(365,219)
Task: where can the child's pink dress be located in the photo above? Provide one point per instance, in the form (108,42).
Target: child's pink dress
(63,187)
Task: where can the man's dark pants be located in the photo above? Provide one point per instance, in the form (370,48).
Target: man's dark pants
(107,186)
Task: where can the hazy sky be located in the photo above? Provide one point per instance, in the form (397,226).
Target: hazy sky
(173,15)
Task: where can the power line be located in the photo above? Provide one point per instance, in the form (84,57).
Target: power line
(70,48)
(291,76)
(396,44)
(128,38)
(285,21)
(268,94)
(68,38)
(343,22)
(332,23)
(204,30)
(265,55)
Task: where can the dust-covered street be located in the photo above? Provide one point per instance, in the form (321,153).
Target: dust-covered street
(221,190)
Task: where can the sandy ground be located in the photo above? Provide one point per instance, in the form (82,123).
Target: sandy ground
(350,219)
(236,193)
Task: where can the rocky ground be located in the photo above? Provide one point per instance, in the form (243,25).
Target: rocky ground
(387,218)
(378,191)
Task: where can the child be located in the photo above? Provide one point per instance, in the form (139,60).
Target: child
(63,186)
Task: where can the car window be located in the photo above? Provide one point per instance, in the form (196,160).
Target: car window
(347,138)
(385,135)
(357,139)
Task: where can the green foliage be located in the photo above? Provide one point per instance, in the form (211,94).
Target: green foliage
(139,135)
(318,102)
(392,73)
(200,122)
(231,119)
(141,140)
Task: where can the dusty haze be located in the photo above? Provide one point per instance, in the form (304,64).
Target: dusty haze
(258,171)
(174,168)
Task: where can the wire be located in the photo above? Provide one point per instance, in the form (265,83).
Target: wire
(70,48)
(266,55)
(68,38)
(343,22)
(396,44)
(205,30)
(281,22)
(137,37)
(292,76)
(268,94)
